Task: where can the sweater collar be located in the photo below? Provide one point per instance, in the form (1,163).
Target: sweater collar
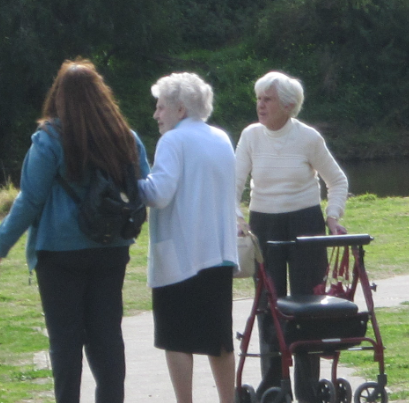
(187,121)
(281,132)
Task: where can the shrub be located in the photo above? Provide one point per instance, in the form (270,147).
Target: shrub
(8,193)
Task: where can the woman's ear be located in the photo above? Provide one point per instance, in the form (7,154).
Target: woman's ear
(289,108)
(182,112)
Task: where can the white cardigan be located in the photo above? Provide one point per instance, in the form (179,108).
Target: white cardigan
(284,167)
(191,191)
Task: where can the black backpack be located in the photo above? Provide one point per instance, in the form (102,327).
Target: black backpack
(109,212)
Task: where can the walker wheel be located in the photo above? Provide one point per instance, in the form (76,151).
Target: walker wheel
(326,392)
(275,395)
(344,391)
(247,394)
(369,392)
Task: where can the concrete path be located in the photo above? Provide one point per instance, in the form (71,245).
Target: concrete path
(147,378)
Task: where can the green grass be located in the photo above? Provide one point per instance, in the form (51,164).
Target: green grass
(387,220)
(137,295)
(21,334)
(22,322)
(394,328)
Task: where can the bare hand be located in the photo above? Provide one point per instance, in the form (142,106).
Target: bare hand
(334,227)
(242,227)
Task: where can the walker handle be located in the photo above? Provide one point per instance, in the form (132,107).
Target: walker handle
(327,240)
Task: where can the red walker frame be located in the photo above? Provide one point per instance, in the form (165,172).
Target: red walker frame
(336,390)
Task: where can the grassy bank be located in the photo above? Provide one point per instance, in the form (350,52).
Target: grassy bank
(22,322)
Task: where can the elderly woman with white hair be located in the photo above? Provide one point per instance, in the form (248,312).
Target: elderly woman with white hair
(192,252)
(284,158)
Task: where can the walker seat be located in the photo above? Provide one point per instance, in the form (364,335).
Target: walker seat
(319,323)
(316,306)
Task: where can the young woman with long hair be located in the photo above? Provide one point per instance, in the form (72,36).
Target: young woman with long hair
(80,281)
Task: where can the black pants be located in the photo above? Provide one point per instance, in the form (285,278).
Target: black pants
(81,294)
(306,268)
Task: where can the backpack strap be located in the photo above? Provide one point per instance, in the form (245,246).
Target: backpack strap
(70,191)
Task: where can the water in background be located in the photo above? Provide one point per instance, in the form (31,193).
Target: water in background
(383,178)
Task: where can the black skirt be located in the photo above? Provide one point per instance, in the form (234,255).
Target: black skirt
(195,315)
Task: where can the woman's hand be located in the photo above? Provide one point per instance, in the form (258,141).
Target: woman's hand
(334,227)
(242,227)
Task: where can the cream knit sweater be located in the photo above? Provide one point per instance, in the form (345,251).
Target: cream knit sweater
(284,166)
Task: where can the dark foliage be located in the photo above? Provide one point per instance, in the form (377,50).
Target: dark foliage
(352,56)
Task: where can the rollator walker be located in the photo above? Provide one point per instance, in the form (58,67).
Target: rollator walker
(325,324)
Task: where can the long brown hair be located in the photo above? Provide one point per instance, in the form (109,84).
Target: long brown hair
(93,130)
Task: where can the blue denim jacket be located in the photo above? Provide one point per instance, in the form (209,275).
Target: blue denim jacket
(43,206)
